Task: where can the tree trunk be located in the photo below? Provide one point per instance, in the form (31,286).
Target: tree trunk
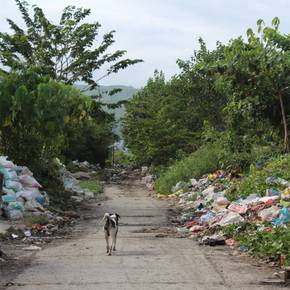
(286,139)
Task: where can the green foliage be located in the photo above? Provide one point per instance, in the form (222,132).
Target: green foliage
(65,51)
(93,185)
(30,220)
(237,94)
(124,159)
(163,122)
(255,181)
(257,77)
(267,243)
(203,160)
(36,114)
(41,119)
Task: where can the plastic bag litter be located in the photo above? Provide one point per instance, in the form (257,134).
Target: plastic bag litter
(40,199)
(25,171)
(277,180)
(230,218)
(144,170)
(69,182)
(14,214)
(196,228)
(33,205)
(251,199)
(269,199)
(207,218)
(6,163)
(284,217)
(28,193)
(193,182)
(213,240)
(179,185)
(4,171)
(29,181)
(8,198)
(272,192)
(286,193)
(12,175)
(239,208)
(268,214)
(231,243)
(221,200)
(15,185)
(209,192)
(8,191)
(150,186)
(182,230)
(15,205)
(14,210)
(148,179)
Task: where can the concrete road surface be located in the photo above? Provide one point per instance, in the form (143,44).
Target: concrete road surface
(142,260)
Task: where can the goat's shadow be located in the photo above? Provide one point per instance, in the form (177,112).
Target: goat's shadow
(135,253)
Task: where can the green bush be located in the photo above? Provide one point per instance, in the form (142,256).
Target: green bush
(123,158)
(204,160)
(93,185)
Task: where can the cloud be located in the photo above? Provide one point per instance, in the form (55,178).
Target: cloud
(164,30)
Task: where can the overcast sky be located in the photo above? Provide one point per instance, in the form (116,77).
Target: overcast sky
(160,31)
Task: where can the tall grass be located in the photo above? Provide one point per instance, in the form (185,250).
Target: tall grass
(204,160)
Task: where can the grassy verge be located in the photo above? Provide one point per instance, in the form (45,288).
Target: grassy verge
(204,160)
(93,185)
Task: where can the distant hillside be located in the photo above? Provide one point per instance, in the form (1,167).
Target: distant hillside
(126,93)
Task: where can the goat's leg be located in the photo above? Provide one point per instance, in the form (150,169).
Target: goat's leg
(107,242)
(110,249)
(114,241)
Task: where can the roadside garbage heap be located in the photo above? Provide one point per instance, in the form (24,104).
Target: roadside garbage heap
(86,166)
(205,206)
(148,180)
(71,183)
(21,192)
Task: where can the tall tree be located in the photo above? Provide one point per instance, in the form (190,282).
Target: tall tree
(257,72)
(68,51)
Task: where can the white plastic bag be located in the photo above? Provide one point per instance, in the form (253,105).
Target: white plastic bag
(268,214)
(28,193)
(15,185)
(12,175)
(6,163)
(29,181)
(231,218)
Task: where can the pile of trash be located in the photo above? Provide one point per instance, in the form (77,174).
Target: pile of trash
(20,191)
(71,180)
(85,166)
(204,206)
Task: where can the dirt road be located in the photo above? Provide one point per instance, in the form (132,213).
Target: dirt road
(142,260)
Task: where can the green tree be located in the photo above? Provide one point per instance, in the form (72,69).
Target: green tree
(65,51)
(255,77)
(35,115)
(165,120)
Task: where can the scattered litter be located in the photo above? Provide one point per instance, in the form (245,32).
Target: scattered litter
(32,248)
(214,240)
(231,218)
